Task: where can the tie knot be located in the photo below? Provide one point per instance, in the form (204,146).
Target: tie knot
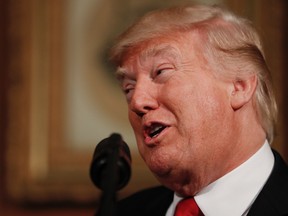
(188,207)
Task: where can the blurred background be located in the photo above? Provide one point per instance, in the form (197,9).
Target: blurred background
(58,98)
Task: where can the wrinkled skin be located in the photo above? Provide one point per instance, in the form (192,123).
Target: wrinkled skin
(170,86)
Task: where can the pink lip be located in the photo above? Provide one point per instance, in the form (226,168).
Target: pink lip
(152,141)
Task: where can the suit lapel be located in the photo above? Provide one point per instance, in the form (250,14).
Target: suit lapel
(273,199)
(160,203)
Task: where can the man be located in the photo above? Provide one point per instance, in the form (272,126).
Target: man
(202,109)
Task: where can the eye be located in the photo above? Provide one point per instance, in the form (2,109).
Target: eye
(128,88)
(127,91)
(159,71)
(163,72)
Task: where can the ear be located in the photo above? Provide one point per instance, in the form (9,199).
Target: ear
(243,91)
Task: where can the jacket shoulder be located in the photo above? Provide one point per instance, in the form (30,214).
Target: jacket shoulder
(273,198)
(151,201)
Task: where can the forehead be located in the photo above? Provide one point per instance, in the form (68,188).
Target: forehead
(185,48)
(146,56)
(157,50)
(169,47)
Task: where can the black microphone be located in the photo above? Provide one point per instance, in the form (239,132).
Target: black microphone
(111,163)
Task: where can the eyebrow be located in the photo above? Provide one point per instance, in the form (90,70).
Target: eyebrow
(120,74)
(166,50)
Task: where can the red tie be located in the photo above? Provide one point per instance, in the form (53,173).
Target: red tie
(188,207)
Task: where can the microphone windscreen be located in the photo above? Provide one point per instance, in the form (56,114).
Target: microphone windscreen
(113,146)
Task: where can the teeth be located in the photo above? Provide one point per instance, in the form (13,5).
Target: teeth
(155,130)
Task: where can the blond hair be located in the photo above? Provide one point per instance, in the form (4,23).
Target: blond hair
(229,42)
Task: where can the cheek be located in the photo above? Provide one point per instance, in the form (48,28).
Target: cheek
(134,120)
(202,115)
(136,126)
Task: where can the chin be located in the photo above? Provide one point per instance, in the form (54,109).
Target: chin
(160,171)
(159,163)
(183,190)
(182,183)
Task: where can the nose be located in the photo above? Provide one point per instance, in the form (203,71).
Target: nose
(143,99)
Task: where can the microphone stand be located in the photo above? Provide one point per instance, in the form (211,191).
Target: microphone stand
(110,171)
(108,183)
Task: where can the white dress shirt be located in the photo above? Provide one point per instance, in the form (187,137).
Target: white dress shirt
(235,192)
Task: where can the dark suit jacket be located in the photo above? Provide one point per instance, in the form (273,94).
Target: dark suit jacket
(272,200)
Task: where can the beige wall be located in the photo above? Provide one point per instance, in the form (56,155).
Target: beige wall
(36,154)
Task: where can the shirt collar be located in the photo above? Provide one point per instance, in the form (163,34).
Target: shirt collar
(234,193)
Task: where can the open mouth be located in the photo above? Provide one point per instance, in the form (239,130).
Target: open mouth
(154,129)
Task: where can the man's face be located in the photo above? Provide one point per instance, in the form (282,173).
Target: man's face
(180,112)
